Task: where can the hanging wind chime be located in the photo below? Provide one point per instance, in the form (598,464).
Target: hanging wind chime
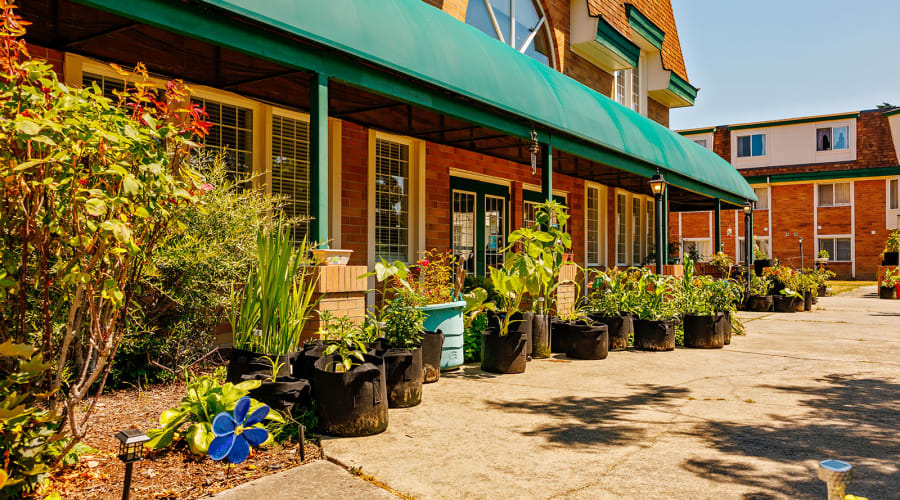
(535,151)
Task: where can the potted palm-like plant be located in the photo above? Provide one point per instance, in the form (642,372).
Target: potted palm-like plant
(611,302)
(268,317)
(654,330)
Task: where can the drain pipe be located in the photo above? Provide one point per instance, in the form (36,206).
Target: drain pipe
(836,474)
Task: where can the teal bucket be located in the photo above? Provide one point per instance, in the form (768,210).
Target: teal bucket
(448,318)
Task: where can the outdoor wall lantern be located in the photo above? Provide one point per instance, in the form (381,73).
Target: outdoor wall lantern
(658,187)
(131,450)
(748,207)
(535,151)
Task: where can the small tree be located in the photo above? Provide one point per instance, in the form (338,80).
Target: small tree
(89,187)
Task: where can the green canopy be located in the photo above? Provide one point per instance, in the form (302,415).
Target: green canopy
(418,41)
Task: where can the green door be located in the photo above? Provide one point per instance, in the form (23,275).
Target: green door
(480,223)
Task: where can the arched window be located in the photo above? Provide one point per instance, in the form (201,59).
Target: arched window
(520,24)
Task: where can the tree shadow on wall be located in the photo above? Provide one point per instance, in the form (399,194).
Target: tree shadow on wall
(852,419)
(596,421)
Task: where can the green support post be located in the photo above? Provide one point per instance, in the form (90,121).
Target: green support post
(750,244)
(318,159)
(664,251)
(547,171)
(718,227)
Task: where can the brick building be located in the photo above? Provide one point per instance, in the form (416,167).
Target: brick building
(403,125)
(830,181)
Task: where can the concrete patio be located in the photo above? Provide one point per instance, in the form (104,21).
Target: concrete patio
(749,421)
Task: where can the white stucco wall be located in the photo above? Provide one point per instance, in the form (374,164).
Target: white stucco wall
(794,145)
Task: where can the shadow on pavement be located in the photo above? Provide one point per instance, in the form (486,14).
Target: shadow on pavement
(852,419)
(470,373)
(589,422)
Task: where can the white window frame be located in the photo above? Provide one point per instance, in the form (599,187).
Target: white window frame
(602,235)
(703,258)
(626,97)
(768,197)
(740,246)
(765,154)
(621,237)
(543,24)
(892,215)
(631,232)
(833,194)
(833,255)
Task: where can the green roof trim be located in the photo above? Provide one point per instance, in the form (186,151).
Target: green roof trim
(794,121)
(854,173)
(698,131)
(377,46)
(645,27)
(892,112)
(682,88)
(610,38)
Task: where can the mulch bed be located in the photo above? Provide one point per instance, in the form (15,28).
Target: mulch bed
(171,473)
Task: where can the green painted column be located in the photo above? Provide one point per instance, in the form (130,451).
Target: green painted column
(318,159)
(664,251)
(718,225)
(547,171)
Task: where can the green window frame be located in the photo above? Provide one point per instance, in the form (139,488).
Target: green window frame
(481,191)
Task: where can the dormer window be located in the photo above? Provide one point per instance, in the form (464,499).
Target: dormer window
(832,138)
(627,88)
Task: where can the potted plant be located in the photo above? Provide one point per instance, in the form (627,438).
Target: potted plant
(808,287)
(760,299)
(788,300)
(822,257)
(701,321)
(654,328)
(890,284)
(760,260)
(722,263)
(891,253)
(504,341)
(351,390)
(724,297)
(437,279)
(612,303)
(584,339)
(268,318)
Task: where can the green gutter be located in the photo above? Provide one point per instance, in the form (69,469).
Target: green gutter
(616,42)
(644,26)
(682,88)
(892,112)
(698,131)
(795,121)
(822,175)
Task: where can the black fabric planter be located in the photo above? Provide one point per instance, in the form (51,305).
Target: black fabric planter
(503,354)
(558,335)
(759,265)
(725,325)
(823,291)
(432,344)
(887,292)
(785,304)
(540,336)
(619,328)
(588,342)
(891,259)
(704,332)
(304,364)
(353,403)
(285,395)
(654,335)
(760,303)
(404,375)
(246,365)
(807,301)
(520,322)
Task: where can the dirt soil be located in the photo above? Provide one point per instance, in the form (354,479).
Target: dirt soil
(170,473)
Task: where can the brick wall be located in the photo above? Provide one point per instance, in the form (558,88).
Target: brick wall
(54,57)
(869,219)
(354,192)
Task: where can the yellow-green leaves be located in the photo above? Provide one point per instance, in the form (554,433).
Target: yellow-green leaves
(95,207)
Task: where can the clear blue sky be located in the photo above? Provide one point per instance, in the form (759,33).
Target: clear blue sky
(763,59)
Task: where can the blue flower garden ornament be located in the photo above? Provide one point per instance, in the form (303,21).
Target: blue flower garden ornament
(235,433)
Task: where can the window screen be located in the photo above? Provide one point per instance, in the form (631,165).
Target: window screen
(290,170)
(593,225)
(762,194)
(391,201)
(464,229)
(231,135)
(635,231)
(838,248)
(620,229)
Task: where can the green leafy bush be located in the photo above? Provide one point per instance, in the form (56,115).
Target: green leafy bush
(472,338)
(206,397)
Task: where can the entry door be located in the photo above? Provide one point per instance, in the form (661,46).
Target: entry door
(480,223)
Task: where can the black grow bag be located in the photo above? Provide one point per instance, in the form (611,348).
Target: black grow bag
(588,342)
(503,354)
(405,374)
(654,335)
(245,365)
(521,322)
(353,403)
(558,335)
(432,344)
(725,325)
(619,328)
(285,395)
(807,301)
(785,304)
(760,303)
(540,336)
(891,259)
(760,264)
(887,292)
(304,363)
(704,332)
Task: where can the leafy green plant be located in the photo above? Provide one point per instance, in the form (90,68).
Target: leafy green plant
(28,432)
(758,254)
(544,247)
(892,244)
(760,285)
(511,288)
(403,320)
(274,366)
(270,315)
(891,278)
(347,349)
(472,338)
(658,298)
(205,399)
(789,292)
(696,292)
(614,293)
(823,254)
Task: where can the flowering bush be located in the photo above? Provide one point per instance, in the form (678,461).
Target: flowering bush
(432,277)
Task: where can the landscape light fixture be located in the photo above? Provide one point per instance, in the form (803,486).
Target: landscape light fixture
(658,184)
(658,187)
(131,450)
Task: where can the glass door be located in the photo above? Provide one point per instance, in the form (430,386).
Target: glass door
(480,223)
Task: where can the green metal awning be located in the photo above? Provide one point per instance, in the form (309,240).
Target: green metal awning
(480,79)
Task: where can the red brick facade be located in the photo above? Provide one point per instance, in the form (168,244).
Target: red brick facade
(793,206)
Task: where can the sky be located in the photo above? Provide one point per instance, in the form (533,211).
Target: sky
(764,60)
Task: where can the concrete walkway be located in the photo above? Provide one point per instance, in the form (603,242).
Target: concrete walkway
(321,480)
(749,421)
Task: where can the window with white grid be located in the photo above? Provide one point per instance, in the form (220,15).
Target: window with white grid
(839,249)
(391,200)
(529,214)
(494,231)
(621,225)
(834,195)
(231,135)
(464,229)
(636,88)
(593,225)
(290,170)
(635,231)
